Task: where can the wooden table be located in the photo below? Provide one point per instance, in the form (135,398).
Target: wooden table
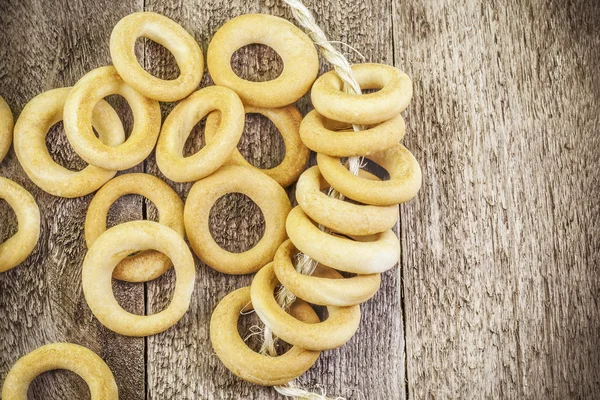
(497,291)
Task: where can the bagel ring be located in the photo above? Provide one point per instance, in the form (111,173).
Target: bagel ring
(364,255)
(321,138)
(113,246)
(78,359)
(174,38)
(147,265)
(296,49)
(6,128)
(31,130)
(323,287)
(331,101)
(287,121)
(179,124)
(247,364)
(403,185)
(336,330)
(339,215)
(264,191)
(16,249)
(84,96)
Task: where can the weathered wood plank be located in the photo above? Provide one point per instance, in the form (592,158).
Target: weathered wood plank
(46,45)
(501,246)
(181,362)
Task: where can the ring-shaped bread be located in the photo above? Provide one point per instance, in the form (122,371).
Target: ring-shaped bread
(287,121)
(398,161)
(6,128)
(179,124)
(31,130)
(336,330)
(316,133)
(113,246)
(262,190)
(174,38)
(146,265)
(84,96)
(296,49)
(330,100)
(243,361)
(17,248)
(78,359)
(339,215)
(323,287)
(363,255)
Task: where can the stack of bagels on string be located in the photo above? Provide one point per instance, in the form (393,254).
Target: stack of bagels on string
(343,221)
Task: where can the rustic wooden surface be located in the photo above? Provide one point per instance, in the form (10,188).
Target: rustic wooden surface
(45,46)
(499,290)
(502,245)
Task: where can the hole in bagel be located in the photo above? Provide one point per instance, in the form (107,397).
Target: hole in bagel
(160,293)
(251,328)
(372,167)
(236,222)
(256,63)
(159,61)
(122,210)
(261,143)
(130,207)
(336,125)
(9,225)
(123,110)
(376,169)
(59,384)
(346,199)
(370,90)
(196,140)
(128,295)
(60,149)
(321,311)
(339,126)
(326,190)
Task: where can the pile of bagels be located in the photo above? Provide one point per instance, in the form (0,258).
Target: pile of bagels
(349,233)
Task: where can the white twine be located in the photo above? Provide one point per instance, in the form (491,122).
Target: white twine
(291,390)
(304,264)
(340,64)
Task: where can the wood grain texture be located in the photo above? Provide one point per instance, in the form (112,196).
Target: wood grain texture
(500,257)
(370,364)
(45,45)
(500,249)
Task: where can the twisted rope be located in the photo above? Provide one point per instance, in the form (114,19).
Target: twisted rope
(340,64)
(304,264)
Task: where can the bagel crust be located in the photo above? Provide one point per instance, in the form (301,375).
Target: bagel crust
(17,248)
(113,246)
(146,265)
(264,191)
(181,121)
(297,51)
(247,364)
(31,129)
(6,128)
(336,330)
(174,38)
(287,121)
(78,359)
(87,92)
